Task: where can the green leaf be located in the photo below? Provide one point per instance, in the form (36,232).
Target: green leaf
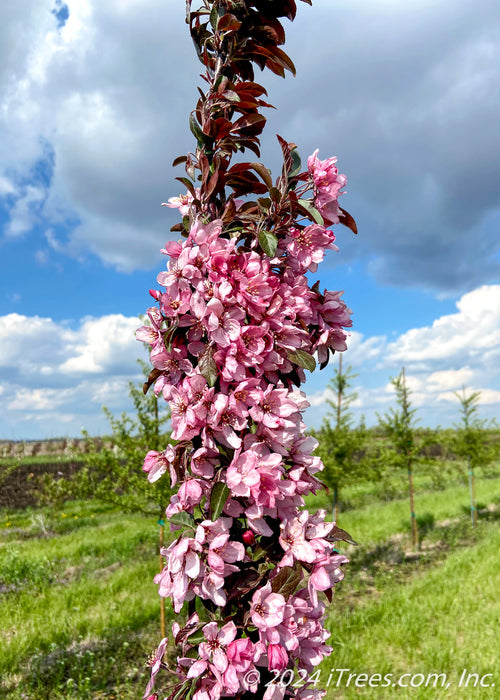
(275,194)
(268,243)
(313,212)
(264,204)
(207,366)
(196,638)
(303,359)
(180,693)
(191,690)
(297,164)
(196,129)
(214,17)
(218,498)
(168,338)
(182,519)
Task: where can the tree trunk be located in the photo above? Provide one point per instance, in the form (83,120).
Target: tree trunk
(414,527)
(339,396)
(472,489)
(162,599)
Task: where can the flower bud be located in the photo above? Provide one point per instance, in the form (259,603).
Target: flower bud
(249,537)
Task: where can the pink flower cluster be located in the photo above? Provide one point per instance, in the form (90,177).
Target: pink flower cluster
(328,183)
(228,343)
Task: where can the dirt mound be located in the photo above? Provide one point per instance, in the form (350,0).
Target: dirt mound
(19,488)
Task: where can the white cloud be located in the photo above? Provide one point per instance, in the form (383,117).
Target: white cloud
(6,187)
(25,211)
(52,373)
(320,398)
(487,397)
(37,399)
(101,345)
(449,379)
(471,334)
(114,120)
(459,349)
(103,114)
(362,349)
(51,369)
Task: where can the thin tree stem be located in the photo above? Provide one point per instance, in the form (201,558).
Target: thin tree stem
(472,489)
(162,599)
(414,527)
(339,394)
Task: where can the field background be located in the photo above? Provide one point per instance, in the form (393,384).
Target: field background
(79,611)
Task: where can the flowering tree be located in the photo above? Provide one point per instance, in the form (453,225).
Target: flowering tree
(237,325)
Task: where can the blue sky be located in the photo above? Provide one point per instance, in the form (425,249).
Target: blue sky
(94,109)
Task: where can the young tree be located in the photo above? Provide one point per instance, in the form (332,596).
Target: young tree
(469,442)
(236,326)
(111,465)
(399,425)
(111,469)
(340,444)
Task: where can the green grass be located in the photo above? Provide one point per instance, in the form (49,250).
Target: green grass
(77,594)
(377,522)
(444,620)
(79,610)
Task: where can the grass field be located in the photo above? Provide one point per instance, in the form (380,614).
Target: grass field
(79,611)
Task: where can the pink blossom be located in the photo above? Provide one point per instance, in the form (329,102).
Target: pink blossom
(294,542)
(190,493)
(326,574)
(155,662)
(307,246)
(275,691)
(183,566)
(212,588)
(223,324)
(184,419)
(214,649)
(221,342)
(151,334)
(203,462)
(277,656)
(222,551)
(227,418)
(328,183)
(183,202)
(208,531)
(205,233)
(173,363)
(175,302)
(242,474)
(210,687)
(274,405)
(310,694)
(241,654)
(267,608)
(157,463)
